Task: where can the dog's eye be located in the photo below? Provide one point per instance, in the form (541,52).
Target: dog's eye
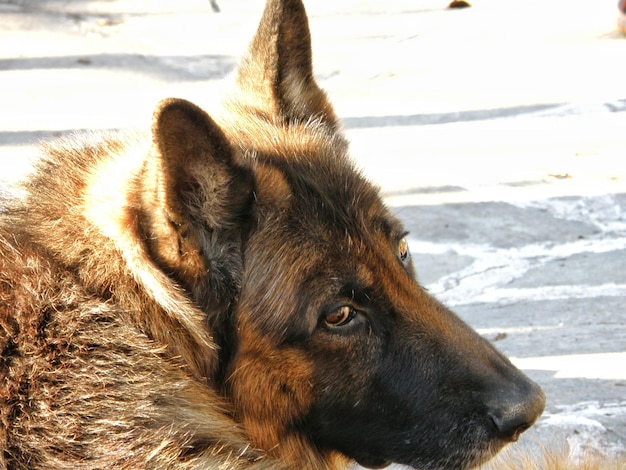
(403,250)
(340,317)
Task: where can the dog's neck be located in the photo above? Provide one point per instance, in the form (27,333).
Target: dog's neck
(101,216)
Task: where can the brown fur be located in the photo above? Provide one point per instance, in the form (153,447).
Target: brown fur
(179,303)
(94,372)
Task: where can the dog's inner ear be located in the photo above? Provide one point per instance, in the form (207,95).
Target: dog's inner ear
(195,194)
(196,162)
(276,76)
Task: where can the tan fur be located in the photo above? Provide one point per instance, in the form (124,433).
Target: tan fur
(553,458)
(86,375)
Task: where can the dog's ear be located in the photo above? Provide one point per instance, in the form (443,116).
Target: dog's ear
(276,76)
(198,201)
(200,178)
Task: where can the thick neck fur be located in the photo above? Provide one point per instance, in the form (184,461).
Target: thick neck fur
(82,199)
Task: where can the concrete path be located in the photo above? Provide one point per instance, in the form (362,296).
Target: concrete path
(497,133)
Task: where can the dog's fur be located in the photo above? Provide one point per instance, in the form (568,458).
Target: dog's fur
(554,457)
(233,295)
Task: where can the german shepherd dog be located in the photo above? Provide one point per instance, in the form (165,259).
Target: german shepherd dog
(233,294)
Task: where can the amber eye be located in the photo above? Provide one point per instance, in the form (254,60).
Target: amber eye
(403,250)
(340,317)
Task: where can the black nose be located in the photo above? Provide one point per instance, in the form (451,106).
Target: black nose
(517,412)
(510,427)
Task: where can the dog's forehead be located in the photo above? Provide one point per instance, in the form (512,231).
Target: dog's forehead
(325,194)
(304,171)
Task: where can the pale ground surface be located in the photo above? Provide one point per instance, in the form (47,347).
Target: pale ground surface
(497,133)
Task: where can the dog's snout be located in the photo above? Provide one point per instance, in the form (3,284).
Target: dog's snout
(517,412)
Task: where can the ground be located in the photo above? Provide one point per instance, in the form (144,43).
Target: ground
(495,132)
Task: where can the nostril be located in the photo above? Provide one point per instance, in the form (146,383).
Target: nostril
(511,426)
(520,430)
(516,411)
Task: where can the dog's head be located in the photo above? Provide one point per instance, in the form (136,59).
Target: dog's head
(329,347)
